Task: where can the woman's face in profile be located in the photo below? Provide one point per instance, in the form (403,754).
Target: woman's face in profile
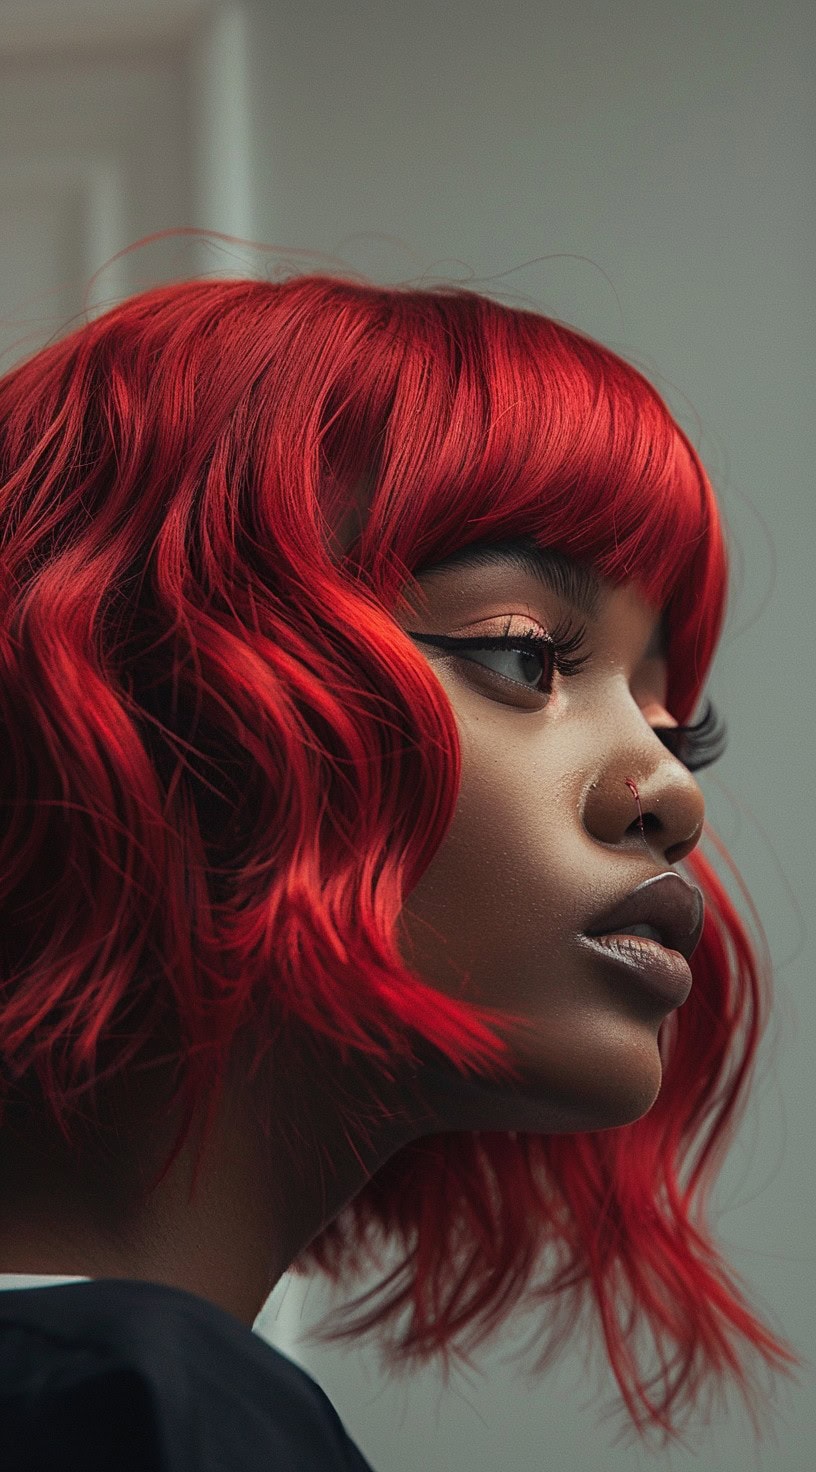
(545,837)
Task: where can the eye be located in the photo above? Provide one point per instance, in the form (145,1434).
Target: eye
(699,745)
(542,653)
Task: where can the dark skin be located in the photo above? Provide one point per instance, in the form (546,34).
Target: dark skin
(545,834)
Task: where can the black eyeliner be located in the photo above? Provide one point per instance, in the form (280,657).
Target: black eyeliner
(696,746)
(555,649)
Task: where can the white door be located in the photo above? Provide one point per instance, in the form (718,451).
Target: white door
(118,119)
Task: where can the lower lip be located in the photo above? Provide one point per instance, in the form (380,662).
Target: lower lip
(666,973)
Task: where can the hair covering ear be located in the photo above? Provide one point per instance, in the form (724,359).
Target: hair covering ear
(349,526)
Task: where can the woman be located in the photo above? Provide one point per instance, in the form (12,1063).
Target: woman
(351,638)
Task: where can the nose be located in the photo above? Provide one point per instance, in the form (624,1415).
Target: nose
(671,805)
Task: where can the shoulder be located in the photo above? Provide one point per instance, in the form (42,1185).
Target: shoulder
(131,1374)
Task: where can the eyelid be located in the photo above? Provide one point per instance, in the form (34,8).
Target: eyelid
(657,709)
(651,683)
(499,624)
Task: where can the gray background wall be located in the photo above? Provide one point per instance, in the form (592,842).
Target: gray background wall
(645,171)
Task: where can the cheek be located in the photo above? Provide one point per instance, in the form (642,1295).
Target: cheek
(494,898)
(493,921)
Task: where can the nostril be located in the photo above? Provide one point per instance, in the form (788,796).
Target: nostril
(679,851)
(644,822)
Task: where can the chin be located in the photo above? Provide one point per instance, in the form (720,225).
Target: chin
(579,1115)
(541,1104)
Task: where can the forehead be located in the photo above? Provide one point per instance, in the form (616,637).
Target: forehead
(577,583)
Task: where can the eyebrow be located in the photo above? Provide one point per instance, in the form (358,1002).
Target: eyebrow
(576,582)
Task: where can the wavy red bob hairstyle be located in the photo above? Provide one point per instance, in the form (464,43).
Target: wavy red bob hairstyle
(225,766)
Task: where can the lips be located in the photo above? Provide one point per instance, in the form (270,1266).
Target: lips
(666,902)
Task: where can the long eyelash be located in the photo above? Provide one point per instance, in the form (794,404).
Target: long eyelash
(559,646)
(699,745)
(696,746)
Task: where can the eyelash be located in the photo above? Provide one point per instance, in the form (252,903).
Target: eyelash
(699,745)
(696,746)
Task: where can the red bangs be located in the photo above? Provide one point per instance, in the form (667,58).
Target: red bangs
(500,423)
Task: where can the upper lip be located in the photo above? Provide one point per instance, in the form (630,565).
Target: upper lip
(668,902)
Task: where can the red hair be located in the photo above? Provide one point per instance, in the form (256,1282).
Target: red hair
(226,766)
